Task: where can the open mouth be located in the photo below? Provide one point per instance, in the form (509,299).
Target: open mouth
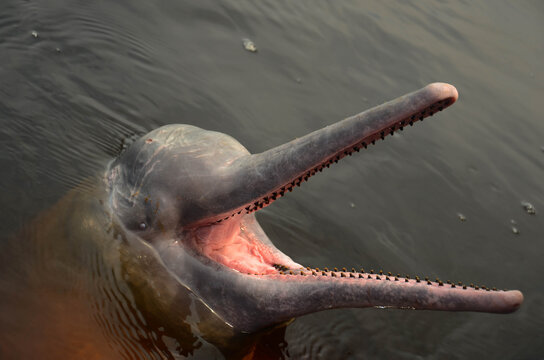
(236,241)
(223,255)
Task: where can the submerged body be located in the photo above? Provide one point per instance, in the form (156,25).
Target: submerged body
(171,228)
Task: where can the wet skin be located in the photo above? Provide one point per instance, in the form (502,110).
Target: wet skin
(166,246)
(186,197)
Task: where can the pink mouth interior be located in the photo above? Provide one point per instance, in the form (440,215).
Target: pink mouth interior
(232,244)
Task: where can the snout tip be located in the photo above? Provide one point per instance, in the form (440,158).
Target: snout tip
(515,299)
(443,91)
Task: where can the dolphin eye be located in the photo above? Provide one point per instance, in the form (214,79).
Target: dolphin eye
(142,226)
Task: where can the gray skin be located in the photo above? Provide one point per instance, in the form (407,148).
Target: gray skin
(188,196)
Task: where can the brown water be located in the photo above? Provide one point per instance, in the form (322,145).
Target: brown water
(96,74)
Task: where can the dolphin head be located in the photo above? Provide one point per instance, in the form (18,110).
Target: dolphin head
(191,194)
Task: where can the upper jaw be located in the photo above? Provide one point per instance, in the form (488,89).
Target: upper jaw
(252,182)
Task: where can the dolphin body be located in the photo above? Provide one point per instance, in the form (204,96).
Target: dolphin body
(169,234)
(190,196)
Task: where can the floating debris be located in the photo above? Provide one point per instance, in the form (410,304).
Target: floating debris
(529,208)
(249,45)
(461,217)
(34,33)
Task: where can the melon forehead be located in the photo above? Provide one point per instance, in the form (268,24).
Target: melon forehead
(190,139)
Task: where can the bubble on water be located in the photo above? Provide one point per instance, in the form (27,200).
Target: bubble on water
(249,45)
(529,208)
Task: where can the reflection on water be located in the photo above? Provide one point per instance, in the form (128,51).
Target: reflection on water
(80,80)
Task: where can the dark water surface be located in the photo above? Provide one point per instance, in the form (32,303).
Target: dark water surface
(96,74)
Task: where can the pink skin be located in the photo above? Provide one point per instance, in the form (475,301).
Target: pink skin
(240,246)
(208,186)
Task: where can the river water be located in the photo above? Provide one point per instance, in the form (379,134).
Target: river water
(79,80)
